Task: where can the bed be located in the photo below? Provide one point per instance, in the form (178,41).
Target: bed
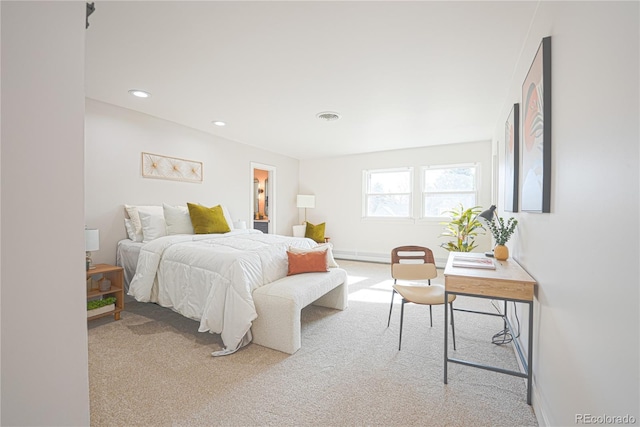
(127,254)
(209,277)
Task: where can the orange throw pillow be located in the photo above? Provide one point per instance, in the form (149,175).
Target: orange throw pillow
(307,262)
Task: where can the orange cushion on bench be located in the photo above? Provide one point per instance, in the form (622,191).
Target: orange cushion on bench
(307,262)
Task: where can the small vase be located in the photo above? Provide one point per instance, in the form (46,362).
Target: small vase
(501,252)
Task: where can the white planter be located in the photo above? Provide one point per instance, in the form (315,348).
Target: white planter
(100,310)
(299,230)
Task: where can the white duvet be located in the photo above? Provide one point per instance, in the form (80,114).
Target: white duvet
(210,277)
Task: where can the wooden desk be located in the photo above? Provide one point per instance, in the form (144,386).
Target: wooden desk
(508,282)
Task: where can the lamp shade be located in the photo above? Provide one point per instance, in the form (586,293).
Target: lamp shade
(91,239)
(306,201)
(488,214)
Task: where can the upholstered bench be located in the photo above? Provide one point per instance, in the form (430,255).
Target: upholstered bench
(279,303)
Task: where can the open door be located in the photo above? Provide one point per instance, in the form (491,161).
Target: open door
(262,197)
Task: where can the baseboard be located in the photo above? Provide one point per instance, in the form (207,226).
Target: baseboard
(539,407)
(362,256)
(374,257)
(537,401)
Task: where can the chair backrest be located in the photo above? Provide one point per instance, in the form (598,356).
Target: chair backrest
(413,263)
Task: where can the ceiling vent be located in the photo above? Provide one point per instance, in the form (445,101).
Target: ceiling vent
(328,116)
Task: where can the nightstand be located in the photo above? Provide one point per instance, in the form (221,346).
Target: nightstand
(115,275)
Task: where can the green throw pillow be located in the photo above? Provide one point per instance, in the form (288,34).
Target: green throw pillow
(207,220)
(315,232)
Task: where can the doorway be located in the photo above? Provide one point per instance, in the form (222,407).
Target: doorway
(263,179)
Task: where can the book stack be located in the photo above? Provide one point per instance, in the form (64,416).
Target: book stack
(473,262)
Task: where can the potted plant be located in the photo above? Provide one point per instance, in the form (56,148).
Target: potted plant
(502,232)
(463,227)
(99,306)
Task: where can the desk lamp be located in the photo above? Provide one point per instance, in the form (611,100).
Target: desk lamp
(488,216)
(489,213)
(91,243)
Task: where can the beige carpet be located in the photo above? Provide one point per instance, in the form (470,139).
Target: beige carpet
(152,368)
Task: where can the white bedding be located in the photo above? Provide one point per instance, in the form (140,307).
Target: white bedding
(210,277)
(127,257)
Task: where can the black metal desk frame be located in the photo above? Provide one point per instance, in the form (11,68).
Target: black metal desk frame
(527,362)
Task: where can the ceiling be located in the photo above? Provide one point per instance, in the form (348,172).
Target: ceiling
(400,74)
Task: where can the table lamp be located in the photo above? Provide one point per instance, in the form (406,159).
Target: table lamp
(489,213)
(305,201)
(91,243)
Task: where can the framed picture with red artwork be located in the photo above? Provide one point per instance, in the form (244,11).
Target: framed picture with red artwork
(536,133)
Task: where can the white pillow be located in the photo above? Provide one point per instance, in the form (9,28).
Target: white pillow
(177,219)
(153,226)
(128,225)
(227,216)
(133,212)
(240,225)
(331,263)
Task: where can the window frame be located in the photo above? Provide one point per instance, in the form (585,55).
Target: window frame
(424,193)
(366,174)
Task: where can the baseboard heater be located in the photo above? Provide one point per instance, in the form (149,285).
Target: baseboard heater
(374,257)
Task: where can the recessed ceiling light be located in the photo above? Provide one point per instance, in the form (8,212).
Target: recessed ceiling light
(219,123)
(139,93)
(328,116)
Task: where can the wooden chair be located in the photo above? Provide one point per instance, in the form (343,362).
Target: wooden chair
(417,263)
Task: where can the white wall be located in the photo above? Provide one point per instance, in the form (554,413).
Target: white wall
(337,185)
(44,329)
(0,210)
(584,254)
(115,139)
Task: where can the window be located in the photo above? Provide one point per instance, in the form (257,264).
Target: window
(388,193)
(445,187)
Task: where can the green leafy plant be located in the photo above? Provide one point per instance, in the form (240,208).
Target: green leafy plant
(463,227)
(92,305)
(502,230)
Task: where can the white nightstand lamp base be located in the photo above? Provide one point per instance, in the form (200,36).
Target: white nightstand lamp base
(299,230)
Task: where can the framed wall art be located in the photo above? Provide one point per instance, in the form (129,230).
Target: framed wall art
(163,167)
(512,159)
(536,133)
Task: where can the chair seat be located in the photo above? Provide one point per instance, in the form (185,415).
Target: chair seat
(428,295)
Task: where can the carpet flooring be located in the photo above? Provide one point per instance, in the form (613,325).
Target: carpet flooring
(152,368)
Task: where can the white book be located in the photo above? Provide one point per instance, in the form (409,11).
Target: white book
(473,262)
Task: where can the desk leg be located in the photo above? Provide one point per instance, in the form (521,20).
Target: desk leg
(505,314)
(530,355)
(446,334)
